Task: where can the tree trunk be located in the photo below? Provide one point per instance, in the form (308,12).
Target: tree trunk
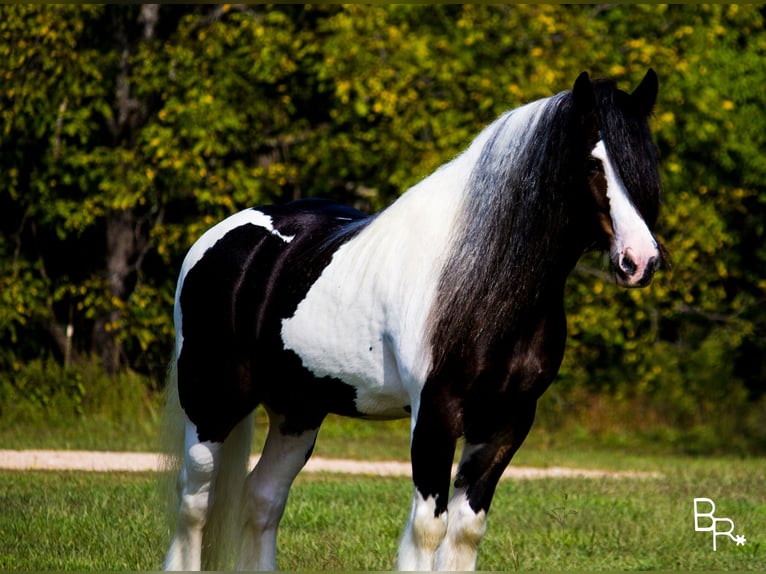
(123,246)
(125,238)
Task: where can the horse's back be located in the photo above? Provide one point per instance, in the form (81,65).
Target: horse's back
(238,282)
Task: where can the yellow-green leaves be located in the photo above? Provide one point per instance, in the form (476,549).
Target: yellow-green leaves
(222,107)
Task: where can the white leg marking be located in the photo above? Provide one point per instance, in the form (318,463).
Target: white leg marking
(465,529)
(194,488)
(267,490)
(422,535)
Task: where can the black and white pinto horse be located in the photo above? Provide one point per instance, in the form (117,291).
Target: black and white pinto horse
(446,307)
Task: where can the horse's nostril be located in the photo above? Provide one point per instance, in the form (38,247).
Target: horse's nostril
(627,265)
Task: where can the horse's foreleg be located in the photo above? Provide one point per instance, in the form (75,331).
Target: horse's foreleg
(466,527)
(194,489)
(480,469)
(268,486)
(433,447)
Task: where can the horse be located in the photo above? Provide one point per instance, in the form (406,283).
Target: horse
(446,307)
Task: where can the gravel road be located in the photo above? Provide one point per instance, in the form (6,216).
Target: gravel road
(99,461)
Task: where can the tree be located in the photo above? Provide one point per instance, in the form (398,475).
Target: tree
(128,130)
(114,140)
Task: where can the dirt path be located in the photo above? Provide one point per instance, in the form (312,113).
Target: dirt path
(147,462)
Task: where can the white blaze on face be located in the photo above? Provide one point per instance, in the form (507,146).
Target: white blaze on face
(634,250)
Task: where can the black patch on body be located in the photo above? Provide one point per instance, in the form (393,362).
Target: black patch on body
(233,302)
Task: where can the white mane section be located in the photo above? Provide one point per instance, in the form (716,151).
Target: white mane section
(511,132)
(364,320)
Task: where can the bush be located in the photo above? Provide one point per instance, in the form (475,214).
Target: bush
(39,389)
(670,423)
(46,405)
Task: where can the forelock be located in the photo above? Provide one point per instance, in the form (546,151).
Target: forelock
(625,132)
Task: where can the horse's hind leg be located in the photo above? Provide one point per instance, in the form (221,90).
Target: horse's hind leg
(268,486)
(194,490)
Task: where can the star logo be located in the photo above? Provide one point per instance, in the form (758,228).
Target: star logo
(704,509)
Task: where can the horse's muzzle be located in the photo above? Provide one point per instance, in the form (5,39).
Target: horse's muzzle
(631,271)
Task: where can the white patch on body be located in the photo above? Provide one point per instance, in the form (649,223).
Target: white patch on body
(363,320)
(208,240)
(631,234)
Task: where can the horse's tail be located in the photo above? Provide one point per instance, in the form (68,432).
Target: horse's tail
(222,534)
(220,539)
(172,427)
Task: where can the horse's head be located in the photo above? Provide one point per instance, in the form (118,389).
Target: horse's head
(622,173)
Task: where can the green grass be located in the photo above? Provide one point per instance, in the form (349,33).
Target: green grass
(71,521)
(341,438)
(65,521)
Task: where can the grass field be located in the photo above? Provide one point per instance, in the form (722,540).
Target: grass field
(79,521)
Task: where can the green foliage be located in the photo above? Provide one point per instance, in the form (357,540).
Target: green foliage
(44,405)
(40,387)
(127,132)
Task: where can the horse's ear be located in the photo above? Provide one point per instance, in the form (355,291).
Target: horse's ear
(645,95)
(582,92)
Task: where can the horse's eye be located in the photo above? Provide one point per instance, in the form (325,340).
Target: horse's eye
(595,167)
